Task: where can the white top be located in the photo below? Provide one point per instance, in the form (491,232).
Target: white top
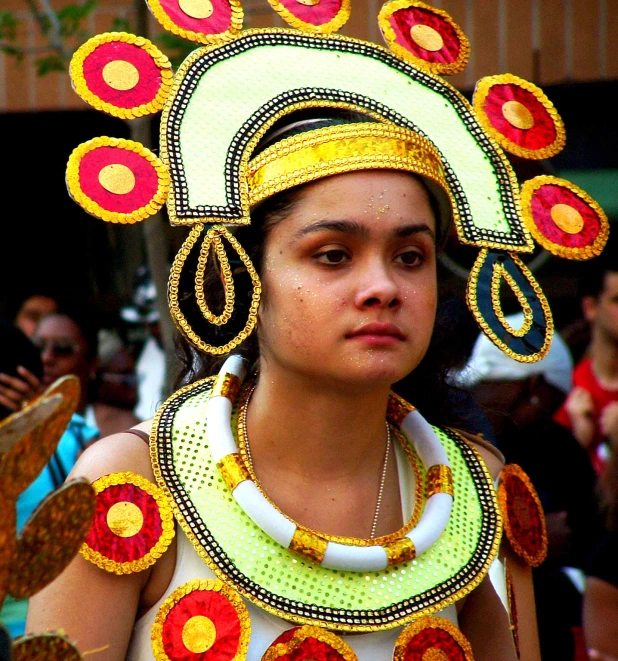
(265,627)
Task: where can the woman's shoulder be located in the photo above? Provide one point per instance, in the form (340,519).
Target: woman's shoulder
(493,458)
(125,451)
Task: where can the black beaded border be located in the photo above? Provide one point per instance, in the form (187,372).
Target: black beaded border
(429,600)
(233,211)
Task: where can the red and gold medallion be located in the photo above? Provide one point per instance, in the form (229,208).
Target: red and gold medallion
(203,620)
(432,639)
(308,643)
(524,520)
(133,524)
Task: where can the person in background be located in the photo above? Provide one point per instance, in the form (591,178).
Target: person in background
(520,400)
(33,309)
(591,408)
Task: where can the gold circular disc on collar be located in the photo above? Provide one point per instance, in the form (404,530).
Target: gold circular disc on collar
(198,634)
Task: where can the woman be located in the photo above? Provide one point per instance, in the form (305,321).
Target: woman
(319,514)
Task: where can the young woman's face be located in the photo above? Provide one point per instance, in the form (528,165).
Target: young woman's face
(349,280)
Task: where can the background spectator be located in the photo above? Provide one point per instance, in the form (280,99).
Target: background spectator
(32,310)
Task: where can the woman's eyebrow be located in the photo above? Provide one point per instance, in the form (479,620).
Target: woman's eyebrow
(413,228)
(358,229)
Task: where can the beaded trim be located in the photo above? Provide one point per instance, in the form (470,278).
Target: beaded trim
(236,211)
(207,547)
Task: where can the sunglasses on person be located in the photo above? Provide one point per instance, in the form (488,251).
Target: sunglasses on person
(61,348)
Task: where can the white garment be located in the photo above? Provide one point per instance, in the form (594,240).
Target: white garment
(265,627)
(150,370)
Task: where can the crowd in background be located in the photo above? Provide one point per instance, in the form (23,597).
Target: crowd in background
(557,419)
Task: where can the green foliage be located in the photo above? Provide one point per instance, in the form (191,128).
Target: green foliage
(8,26)
(50,63)
(121,25)
(71,17)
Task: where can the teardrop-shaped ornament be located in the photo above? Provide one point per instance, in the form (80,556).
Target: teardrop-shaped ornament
(117,180)
(518,116)
(121,74)
(309,643)
(491,271)
(563,218)
(424,35)
(181,305)
(45,647)
(200,21)
(433,638)
(314,15)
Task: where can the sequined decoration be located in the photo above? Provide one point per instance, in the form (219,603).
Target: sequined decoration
(519,116)
(121,74)
(117,180)
(133,524)
(45,647)
(563,218)
(51,538)
(314,15)
(425,35)
(524,520)
(309,643)
(432,639)
(203,619)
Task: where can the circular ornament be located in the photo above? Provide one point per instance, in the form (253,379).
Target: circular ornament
(117,180)
(432,639)
(45,647)
(51,538)
(524,520)
(121,74)
(518,116)
(313,15)
(563,218)
(31,452)
(201,620)
(200,21)
(308,643)
(424,35)
(133,524)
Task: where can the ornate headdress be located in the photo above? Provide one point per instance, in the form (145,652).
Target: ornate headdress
(226,96)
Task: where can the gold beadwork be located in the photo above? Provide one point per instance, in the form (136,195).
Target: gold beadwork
(308,544)
(499,273)
(398,409)
(233,470)
(400,550)
(213,238)
(179,318)
(333,25)
(439,480)
(226,385)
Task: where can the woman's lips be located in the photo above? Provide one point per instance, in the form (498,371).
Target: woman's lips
(378,333)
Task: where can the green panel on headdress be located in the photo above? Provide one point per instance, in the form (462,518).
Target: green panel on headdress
(225,95)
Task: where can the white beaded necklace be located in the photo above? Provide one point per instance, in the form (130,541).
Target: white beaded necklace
(313,545)
(387,450)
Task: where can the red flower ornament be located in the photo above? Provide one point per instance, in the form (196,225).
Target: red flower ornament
(121,74)
(519,116)
(309,643)
(133,524)
(313,15)
(563,219)
(524,520)
(117,180)
(203,620)
(424,35)
(432,639)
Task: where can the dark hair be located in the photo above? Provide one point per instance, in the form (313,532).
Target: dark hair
(426,387)
(592,278)
(85,319)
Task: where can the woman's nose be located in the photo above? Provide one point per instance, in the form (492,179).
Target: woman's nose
(378,288)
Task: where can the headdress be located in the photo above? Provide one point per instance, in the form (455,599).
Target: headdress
(220,103)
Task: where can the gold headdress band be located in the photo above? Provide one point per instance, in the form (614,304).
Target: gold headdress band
(329,150)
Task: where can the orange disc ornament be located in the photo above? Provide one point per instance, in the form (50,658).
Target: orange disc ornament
(309,643)
(432,639)
(424,35)
(202,620)
(518,116)
(563,219)
(117,180)
(133,524)
(524,520)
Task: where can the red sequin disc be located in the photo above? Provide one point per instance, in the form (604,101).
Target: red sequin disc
(402,23)
(144,174)
(318,14)
(202,626)
(184,16)
(432,638)
(540,135)
(107,55)
(524,521)
(309,643)
(125,549)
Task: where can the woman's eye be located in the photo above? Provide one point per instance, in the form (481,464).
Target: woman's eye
(332,257)
(410,258)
